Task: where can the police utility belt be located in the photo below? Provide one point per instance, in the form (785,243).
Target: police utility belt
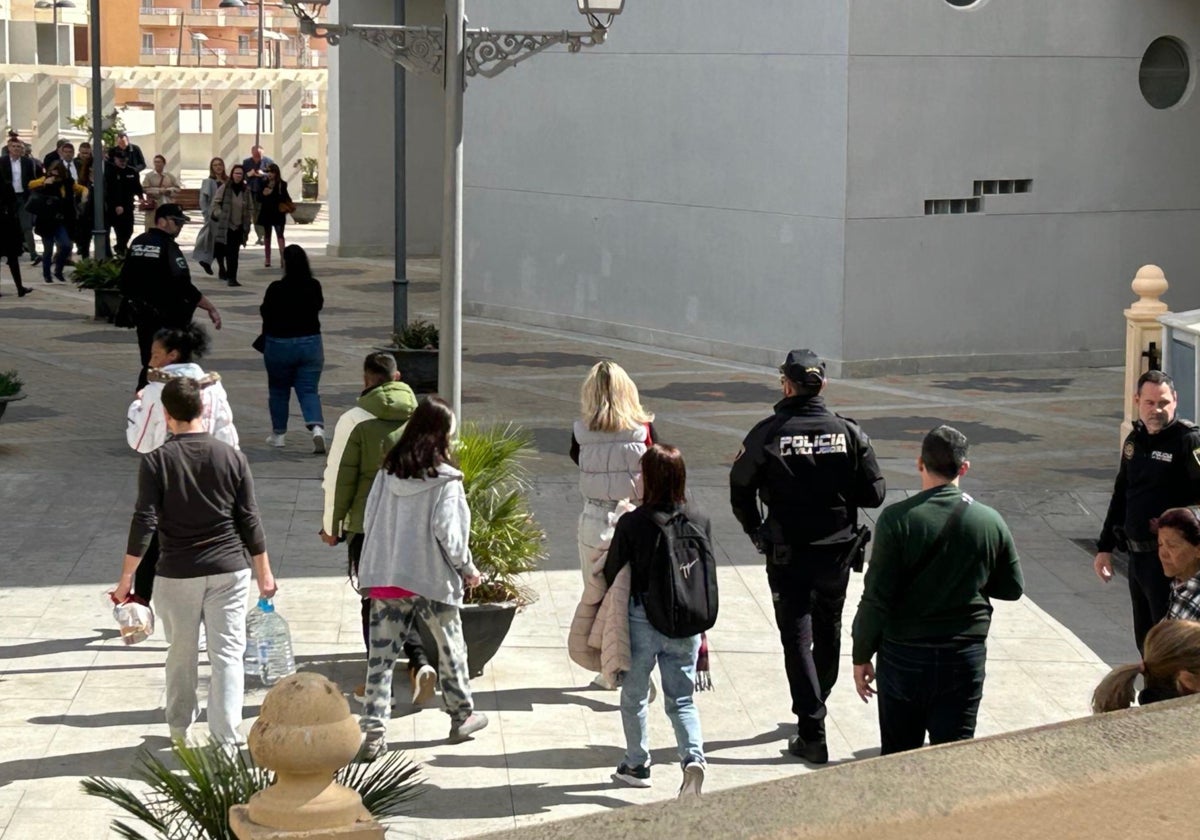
(854,551)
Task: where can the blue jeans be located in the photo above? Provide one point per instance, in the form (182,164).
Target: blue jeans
(294,363)
(677,664)
(934,688)
(61,238)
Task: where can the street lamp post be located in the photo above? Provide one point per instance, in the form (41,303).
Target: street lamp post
(456,52)
(262,25)
(99,234)
(55,5)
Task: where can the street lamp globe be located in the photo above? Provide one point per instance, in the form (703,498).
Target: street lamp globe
(231,4)
(600,12)
(56,4)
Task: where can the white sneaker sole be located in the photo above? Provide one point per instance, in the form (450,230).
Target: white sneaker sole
(424,685)
(693,781)
(631,781)
(318,445)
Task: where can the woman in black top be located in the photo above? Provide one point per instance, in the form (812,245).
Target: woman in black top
(293,352)
(270,215)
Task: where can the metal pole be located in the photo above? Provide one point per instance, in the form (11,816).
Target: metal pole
(258,97)
(400,274)
(55,25)
(450,355)
(99,235)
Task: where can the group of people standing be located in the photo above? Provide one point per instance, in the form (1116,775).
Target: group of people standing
(252,194)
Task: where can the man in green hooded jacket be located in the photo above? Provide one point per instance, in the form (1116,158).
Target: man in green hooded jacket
(361,439)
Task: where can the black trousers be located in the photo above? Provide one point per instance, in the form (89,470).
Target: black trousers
(934,688)
(1149,592)
(122,226)
(231,251)
(413,649)
(143,578)
(808,594)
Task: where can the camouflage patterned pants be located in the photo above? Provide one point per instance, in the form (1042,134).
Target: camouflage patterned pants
(390,622)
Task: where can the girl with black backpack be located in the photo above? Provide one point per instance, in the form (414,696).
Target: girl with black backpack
(673,600)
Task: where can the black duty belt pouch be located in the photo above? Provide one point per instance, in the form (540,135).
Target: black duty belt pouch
(857,551)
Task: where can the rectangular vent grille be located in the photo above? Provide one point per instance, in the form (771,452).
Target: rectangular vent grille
(974,204)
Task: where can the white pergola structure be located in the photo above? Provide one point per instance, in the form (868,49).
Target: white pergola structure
(225,84)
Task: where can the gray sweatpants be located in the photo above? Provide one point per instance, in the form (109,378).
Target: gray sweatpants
(390,621)
(219,602)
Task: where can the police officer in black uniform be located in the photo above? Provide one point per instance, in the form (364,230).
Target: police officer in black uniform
(1160,469)
(121,187)
(157,283)
(813,470)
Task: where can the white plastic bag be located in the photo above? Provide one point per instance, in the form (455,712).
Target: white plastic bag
(135,621)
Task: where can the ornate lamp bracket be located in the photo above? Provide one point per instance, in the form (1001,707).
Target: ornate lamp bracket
(491,53)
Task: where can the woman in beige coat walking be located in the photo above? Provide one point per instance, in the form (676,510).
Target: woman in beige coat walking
(231,219)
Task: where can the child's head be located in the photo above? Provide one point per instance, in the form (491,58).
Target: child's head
(424,444)
(609,400)
(664,476)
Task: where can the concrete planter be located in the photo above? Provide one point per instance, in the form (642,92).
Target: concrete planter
(419,368)
(308,190)
(107,302)
(484,628)
(20,395)
(306,212)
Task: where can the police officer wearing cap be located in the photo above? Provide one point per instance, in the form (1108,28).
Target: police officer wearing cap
(1160,469)
(157,284)
(813,470)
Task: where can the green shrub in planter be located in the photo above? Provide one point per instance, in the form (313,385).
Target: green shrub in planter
(10,383)
(98,274)
(417,335)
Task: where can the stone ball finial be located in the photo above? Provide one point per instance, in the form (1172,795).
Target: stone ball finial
(1149,284)
(305,733)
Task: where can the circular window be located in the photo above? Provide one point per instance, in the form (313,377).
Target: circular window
(1165,72)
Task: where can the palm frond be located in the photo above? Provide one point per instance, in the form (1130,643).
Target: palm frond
(386,786)
(506,541)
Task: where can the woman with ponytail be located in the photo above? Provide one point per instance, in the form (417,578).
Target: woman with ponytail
(1170,668)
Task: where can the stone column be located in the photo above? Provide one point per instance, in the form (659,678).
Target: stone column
(166,129)
(1141,329)
(225,137)
(4,118)
(286,100)
(322,145)
(108,97)
(47,114)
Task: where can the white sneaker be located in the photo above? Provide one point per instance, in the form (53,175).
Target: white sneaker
(602,682)
(693,779)
(318,435)
(424,681)
(275,440)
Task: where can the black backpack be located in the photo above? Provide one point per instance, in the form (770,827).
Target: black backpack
(681,597)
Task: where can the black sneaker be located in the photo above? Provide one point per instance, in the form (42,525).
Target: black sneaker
(638,777)
(234,283)
(814,751)
(207,266)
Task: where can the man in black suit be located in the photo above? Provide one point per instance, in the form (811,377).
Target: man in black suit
(20,170)
(133,153)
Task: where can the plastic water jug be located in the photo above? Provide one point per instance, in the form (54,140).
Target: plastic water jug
(250,659)
(273,642)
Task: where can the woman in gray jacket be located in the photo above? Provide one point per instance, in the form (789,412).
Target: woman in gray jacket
(231,217)
(414,562)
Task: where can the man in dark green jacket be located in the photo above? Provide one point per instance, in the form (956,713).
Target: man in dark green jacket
(361,439)
(939,558)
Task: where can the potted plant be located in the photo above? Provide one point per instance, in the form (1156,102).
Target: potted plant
(10,389)
(308,178)
(506,541)
(111,127)
(416,351)
(103,276)
(189,796)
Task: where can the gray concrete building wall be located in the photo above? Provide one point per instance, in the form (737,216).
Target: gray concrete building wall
(683,184)
(361,140)
(739,180)
(941,97)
